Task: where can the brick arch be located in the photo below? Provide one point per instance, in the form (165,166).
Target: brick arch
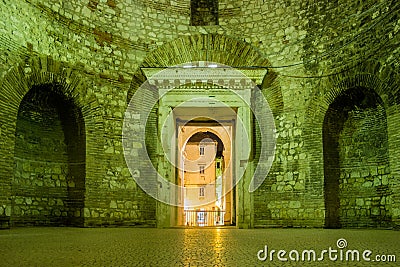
(216,48)
(206,47)
(15,84)
(44,70)
(372,76)
(334,86)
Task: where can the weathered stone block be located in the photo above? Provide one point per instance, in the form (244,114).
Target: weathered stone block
(375,211)
(113,204)
(299,186)
(360,202)
(367,184)
(294,204)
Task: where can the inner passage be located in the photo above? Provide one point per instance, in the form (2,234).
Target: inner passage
(206,177)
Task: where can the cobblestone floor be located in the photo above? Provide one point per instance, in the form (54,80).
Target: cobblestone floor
(187,247)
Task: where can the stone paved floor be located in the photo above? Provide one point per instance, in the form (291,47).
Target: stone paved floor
(184,247)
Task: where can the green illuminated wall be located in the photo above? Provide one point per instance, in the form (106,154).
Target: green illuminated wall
(96,53)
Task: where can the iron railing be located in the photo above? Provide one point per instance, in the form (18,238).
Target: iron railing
(204,217)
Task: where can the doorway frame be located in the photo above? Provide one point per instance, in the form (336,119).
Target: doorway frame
(166,215)
(207,125)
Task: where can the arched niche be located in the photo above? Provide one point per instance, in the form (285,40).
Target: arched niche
(48,185)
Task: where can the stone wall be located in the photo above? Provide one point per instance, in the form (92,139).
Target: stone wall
(315,50)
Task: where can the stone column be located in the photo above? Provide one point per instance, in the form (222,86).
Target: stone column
(243,140)
(166,214)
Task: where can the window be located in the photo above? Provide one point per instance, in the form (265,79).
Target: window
(204,12)
(201,192)
(201,169)
(201,150)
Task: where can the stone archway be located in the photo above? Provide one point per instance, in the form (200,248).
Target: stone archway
(48,187)
(206,48)
(383,84)
(58,81)
(356,161)
(213,48)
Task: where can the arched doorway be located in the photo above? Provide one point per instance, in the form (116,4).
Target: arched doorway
(48,184)
(197,63)
(356,161)
(181,114)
